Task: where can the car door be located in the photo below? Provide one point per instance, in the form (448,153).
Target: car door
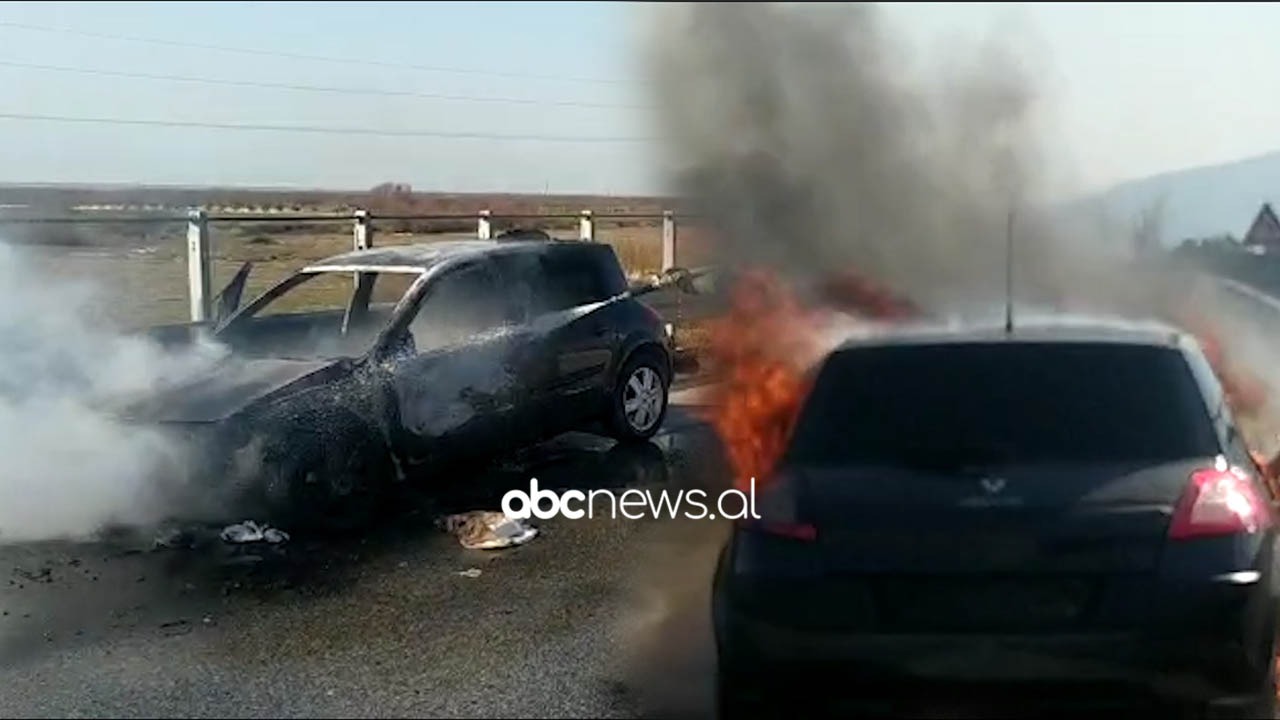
(457,383)
(520,279)
(572,315)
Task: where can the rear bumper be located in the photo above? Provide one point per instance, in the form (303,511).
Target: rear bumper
(1183,653)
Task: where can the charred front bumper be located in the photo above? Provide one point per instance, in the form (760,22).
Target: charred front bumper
(209,453)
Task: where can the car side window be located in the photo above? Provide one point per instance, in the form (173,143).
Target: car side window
(521,282)
(463,303)
(569,278)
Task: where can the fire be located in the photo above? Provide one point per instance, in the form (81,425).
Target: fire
(1245,391)
(770,338)
(761,347)
(765,347)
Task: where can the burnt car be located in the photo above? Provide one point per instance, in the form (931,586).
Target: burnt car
(443,352)
(1064,512)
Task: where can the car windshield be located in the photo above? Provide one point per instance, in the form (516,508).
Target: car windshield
(944,406)
(311,315)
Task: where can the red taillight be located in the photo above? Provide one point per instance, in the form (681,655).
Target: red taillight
(793,531)
(1219,502)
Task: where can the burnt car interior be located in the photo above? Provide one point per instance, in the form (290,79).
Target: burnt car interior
(466,301)
(287,322)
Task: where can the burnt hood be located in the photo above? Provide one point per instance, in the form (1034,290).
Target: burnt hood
(223,390)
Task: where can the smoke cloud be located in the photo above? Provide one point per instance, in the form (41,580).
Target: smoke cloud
(802,137)
(67,467)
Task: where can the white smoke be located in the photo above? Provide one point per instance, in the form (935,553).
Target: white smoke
(68,468)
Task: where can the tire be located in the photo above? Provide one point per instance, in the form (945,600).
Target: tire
(1263,704)
(332,479)
(640,397)
(1263,707)
(638,464)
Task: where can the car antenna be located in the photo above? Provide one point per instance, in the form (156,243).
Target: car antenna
(1008,276)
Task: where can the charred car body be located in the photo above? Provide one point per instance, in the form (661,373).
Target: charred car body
(444,351)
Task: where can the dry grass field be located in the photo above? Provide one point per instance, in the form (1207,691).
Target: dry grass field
(139,271)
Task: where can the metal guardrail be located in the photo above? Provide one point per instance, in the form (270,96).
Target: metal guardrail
(200,241)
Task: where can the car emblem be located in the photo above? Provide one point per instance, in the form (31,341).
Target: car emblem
(992,485)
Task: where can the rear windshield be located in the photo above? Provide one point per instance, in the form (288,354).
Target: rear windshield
(987,404)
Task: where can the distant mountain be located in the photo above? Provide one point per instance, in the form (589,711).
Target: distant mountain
(1197,202)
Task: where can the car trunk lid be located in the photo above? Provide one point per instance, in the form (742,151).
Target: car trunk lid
(995,486)
(1109,518)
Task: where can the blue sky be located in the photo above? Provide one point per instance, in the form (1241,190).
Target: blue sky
(1128,90)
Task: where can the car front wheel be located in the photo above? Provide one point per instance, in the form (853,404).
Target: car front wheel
(639,402)
(324,479)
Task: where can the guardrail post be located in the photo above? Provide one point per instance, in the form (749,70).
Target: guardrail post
(361,235)
(362,231)
(587,227)
(668,240)
(484,228)
(199,264)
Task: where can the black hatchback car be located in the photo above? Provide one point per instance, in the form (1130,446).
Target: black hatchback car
(441,352)
(1062,507)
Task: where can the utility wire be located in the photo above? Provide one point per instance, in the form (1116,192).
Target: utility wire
(316,129)
(301,56)
(310,88)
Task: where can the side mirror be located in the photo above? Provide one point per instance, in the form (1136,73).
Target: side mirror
(689,282)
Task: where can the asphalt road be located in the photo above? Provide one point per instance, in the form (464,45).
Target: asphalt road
(595,617)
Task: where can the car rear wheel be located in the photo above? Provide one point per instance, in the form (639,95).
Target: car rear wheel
(1263,703)
(639,402)
(1264,706)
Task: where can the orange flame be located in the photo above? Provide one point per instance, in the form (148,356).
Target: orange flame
(760,348)
(1245,392)
(765,347)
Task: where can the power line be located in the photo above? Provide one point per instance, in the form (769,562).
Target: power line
(301,56)
(311,88)
(315,129)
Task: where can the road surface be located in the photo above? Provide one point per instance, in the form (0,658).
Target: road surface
(589,619)
(594,618)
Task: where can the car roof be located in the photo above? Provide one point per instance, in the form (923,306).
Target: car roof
(1062,329)
(421,257)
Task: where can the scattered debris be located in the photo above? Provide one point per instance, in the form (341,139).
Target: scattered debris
(251,532)
(177,627)
(42,575)
(488,530)
(469,573)
(241,560)
(173,538)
